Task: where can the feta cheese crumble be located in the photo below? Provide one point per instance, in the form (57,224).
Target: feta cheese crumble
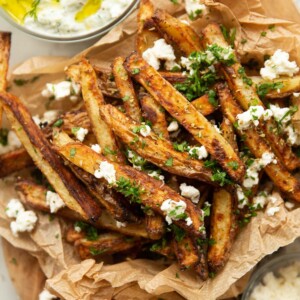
(175,210)
(277,65)
(62,90)
(46,295)
(77,229)
(106,171)
(160,51)
(121,224)
(96,148)
(25,221)
(54,201)
(242,198)
(80,133)
(195,8)
(190,192)
(13,143)
(252,173)
(14,207)
(262,199)
(271,211)
(156,175)
(289,205)
(145,130)
(173,126)
(252,116)
(200,152)
(48,117)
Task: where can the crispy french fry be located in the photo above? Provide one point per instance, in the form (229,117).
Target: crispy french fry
(202,267)
(284,180)
(5,40)
(222,229)
(176,32)
(93,100)
(246,96)
(290,85)
(165,249)
(126,90)
(228,133)
(106,243)
(173,77)
(154,149)
(146,36)
(182,110)
(151,192)
(155,226)
(61,178)
(203,105)
(14,161)
(33,195)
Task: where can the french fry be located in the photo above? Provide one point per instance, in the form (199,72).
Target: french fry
(165,248)
(284,180)
(61,178)
(93,100)
(203,105)
(173,77)
(246,96)
(126,90)
(222,229)
(5,41)
(155,226)
(106,243)
(151,192)
(229,134)
(156,150)
(176,32)
(33,195)
(146,36)
(182,110)
(202,267)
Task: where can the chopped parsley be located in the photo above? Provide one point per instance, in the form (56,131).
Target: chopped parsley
(21,82)
(96,252)
(229,35)
(169,162)
(245,78)
(129,189)
(233,165)
(194,14)
(206,209)
(135,71)
(90,231)
(212,98)
(219,175)
(107,151)
(72,152)
(158,245)
(263,33)
(58,123)
(178,233)
(182,147)
(264,88)
(3,136)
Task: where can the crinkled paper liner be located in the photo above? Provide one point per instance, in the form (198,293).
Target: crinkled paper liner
(44,253)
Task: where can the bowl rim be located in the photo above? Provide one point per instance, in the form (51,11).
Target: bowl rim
(267,267)
(77,37)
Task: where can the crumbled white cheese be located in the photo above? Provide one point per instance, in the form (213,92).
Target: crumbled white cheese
(242,198)
(77,229)
(96,148)
(54,201)
(13,207)
(145,130)
(296,95)
(289,205)
(173,126)
(252,116)
(46,295)
(217,128)
(188,221)
(195,7)
(106,171)
(160,51)
(187,64)
(156,175)
(62,90)
(25,221)
(271,211)
(280,114)
(175,210)
(121,224)
(285,284)
(201,152)
(262,199)
(48,117)
(277,65)
(190,192)
(252,173)
(136,160)
(80,133)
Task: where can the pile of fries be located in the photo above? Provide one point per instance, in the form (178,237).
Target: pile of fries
(127,112)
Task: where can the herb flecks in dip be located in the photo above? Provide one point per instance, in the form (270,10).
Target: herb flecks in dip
(64,17)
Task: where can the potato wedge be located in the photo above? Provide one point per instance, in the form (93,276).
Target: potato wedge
(61,178)
(154,149)
(186,114)
(280,176)
(173,77)
(155,226)
(222,229)
(33,195)
(203,105)
(202,267)
(176,32)
(126,90)
(150,191)
(155,113)
(146,36)
(246,96)
(93,100)
(227,130)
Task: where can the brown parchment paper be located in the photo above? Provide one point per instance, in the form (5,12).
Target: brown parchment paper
(69,278)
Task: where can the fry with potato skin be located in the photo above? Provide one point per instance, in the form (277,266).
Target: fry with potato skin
(154,149)
(33,195)
(203,105)
(186,114)
(152,193)
(126,90)
(62,179)
(155,113)
(222,229)
(176,32)
(229,134)
(246,96)
(155,226)
(284,180)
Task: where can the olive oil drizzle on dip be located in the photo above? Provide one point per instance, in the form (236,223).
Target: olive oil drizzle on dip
(64,17)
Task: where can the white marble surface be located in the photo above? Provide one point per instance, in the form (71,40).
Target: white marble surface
(24,47)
